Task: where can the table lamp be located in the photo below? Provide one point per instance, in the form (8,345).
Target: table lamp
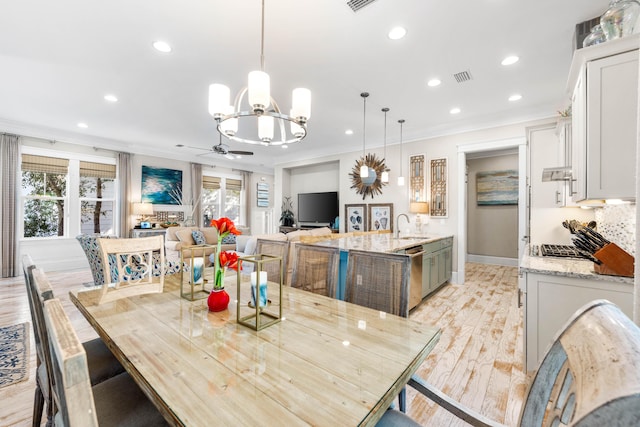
(419,208)
(143,209)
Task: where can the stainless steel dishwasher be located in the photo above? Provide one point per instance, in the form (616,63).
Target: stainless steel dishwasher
(415,279)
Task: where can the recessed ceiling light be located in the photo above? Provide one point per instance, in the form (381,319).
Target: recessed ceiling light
(515,97)
(238,156)
(83,125)
(348,132)
(455,110)
(397,33)
(284,147)
(110,98)
(161,46)
(434,82)
(510,60)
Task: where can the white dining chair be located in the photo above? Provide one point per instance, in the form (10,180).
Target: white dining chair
(132,262)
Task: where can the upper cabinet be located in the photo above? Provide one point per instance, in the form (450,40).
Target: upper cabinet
(604,83)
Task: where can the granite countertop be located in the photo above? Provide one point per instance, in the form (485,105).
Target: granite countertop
(567,267)
(379,242)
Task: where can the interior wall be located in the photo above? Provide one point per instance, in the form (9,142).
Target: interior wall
(491,230)
(315,178)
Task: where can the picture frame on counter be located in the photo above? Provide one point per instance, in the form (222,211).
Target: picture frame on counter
(381,217)
(355,217)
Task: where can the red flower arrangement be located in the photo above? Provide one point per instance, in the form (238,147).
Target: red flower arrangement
(225,258)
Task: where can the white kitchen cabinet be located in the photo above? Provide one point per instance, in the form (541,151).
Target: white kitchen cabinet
(550,300)
(604,108)
(544,152)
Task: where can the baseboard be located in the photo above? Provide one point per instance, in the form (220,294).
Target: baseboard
(484,259)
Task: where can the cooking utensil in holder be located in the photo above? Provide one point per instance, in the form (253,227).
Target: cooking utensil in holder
(615,261)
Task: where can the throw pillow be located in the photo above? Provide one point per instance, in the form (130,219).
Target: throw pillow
(229,239)
(186,237)
(198,237)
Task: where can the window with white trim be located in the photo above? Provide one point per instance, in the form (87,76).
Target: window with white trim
(62,197)
(221,197)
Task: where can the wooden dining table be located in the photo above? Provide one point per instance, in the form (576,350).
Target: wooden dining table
(326,363)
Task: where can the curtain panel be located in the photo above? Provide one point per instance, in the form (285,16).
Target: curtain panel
(124,189)
(196,193)
(9,170)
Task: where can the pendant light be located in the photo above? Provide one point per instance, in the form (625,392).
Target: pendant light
(364,169)
(261,106)
(385,173)
(401,178)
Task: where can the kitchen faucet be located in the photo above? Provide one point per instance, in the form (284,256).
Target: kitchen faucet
(398,223)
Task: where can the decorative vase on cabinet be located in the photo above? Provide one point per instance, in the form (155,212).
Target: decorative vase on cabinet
(596,36)
(620,19)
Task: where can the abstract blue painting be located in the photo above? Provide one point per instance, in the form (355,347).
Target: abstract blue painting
(497,187)
(159,183)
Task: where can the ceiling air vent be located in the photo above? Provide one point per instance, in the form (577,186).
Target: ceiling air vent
(463,76)
(356,5)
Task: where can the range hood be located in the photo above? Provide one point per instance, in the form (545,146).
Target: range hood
(556,174)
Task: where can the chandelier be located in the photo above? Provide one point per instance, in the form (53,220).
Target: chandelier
(261,106)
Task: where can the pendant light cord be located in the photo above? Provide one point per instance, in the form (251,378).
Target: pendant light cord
(364,96)
(401,121)
(385,110)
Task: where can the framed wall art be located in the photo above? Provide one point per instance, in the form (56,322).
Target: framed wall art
(439,205)
(380,216)
(497,188)
(159,184)
(355,218)
(263,195)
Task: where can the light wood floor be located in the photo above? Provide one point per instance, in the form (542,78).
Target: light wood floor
(478,360)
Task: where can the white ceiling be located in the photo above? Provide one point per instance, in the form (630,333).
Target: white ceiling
(59,58)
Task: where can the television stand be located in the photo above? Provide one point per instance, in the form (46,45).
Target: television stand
(286,229)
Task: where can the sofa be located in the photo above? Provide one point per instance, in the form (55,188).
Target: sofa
(246,245)
(181,237)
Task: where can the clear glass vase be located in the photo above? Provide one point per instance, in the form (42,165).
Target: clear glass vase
(620,19)
(595,37)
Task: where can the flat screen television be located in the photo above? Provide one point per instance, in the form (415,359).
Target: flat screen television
(317,208)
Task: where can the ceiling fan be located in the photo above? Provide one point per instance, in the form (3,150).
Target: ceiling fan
(223,149)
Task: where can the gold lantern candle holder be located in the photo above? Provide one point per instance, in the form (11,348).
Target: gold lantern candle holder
(259,287)
(197,282)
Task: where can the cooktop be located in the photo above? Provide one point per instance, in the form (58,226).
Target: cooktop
(564,251)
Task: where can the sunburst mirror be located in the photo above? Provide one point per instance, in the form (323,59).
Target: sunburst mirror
(371,185)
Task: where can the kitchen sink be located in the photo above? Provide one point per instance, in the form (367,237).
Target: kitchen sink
(413,238)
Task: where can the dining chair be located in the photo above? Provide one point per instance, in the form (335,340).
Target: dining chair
(132,273)
(102,363)
(117,401)
(379,281)
(589,376)
(315,269)
(274,248)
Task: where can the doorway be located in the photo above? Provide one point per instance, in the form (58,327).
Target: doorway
(470,150)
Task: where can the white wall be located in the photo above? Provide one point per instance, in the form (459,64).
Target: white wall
(433,148)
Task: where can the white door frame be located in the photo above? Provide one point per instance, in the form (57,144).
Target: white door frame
(521,145)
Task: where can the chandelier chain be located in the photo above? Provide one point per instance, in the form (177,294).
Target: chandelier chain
(262,41)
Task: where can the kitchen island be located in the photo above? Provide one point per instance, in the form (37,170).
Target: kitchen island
(431,258)
(553,288)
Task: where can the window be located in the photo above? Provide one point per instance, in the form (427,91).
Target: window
(221,197)
(97,197)
(44,188)
(66,196)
